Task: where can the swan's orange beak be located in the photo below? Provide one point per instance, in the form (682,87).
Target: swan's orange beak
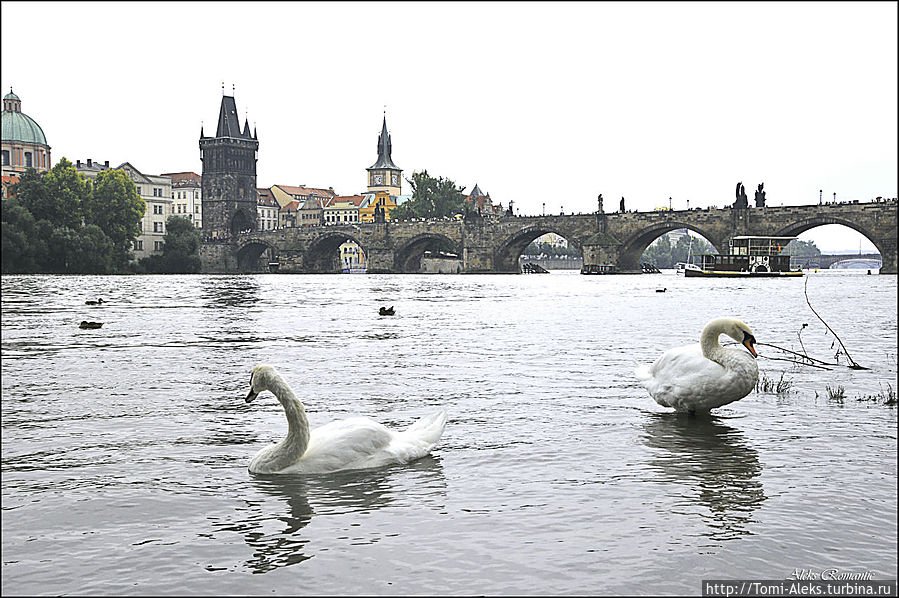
(747,342)
(252,395)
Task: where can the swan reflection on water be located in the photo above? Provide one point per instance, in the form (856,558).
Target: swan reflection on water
(274,532)
(715,460)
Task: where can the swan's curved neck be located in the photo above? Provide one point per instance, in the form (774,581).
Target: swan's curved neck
(297,424)
(711,348)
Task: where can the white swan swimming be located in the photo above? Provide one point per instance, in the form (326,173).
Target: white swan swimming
(355,443)
(703,376)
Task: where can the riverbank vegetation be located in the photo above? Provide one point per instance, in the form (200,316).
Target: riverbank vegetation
(62,223)
(431,198)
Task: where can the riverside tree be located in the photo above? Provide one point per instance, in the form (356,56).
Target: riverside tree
(431,198)
(59,222)
(117,209)
(181,252)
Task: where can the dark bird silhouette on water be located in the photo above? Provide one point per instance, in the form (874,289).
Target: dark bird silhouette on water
(92,302)
(91,325)
(386,311)
(661,290)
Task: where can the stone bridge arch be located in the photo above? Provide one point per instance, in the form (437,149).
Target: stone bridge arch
(253,255)
(885,244)
(407,256)
(884,247)
(507,254)
(633,247)
(322,255)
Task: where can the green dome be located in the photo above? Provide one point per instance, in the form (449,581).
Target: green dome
(21,127)
(11,96)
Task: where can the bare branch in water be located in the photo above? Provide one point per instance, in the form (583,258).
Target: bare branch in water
(801,344)
(853,365)
(811,365)
(794,353)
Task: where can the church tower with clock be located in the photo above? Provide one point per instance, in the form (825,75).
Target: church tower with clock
(384,175)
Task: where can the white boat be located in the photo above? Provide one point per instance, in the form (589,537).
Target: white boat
(682,267)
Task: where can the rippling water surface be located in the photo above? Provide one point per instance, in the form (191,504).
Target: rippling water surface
(125,449)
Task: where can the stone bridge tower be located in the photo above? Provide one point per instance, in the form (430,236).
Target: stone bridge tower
(229,175)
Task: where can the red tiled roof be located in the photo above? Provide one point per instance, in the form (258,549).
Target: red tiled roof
(356,200)
(306,190)
(177,177)
(291,205)
(11,179)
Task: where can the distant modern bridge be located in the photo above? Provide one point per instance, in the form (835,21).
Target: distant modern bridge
(486,246)
(830,260)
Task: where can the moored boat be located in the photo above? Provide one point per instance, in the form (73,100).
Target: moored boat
(749,257)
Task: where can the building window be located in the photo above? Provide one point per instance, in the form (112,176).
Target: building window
(139,245)
(139,192)
(6,157)
(157,227)
(28,159)
(157,245)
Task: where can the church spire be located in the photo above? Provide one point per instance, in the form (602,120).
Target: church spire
(384,148)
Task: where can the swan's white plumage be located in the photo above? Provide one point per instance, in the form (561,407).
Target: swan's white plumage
(354,443)
(706,375)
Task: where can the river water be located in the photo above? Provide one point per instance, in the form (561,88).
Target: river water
(125,449)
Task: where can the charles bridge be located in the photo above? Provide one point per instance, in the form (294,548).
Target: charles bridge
(494,246)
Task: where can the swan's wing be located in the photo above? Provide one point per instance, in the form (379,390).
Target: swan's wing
(683,373)
(343,444)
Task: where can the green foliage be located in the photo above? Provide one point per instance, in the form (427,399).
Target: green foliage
(61,223)
(19,253)
(801,248)
(662,254)
(85,250)
(550,250)
(117,209)
(431,198)
(181,252)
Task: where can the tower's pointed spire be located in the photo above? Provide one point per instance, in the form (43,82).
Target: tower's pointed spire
(384,148)
(246,128)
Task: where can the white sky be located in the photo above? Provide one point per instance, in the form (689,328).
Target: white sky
(535,102)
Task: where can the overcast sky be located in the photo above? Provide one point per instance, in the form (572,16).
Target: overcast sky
(535,102)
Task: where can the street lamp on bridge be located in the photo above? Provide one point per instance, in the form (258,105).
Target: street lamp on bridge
(820,196)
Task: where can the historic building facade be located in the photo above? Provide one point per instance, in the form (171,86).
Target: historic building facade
(229,196)
(24,144)
(155,190)
(187,196)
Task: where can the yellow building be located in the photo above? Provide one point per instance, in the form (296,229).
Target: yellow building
(379,199)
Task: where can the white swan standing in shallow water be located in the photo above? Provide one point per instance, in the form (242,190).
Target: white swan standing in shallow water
(355,443)
(706,375)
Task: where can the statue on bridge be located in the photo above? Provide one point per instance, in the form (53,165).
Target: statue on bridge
(621,206)
(599,200)
(742,201)
(760,196)
(379,215)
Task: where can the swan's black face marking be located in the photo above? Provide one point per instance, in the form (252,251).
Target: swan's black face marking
(252,394)
(748,342)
